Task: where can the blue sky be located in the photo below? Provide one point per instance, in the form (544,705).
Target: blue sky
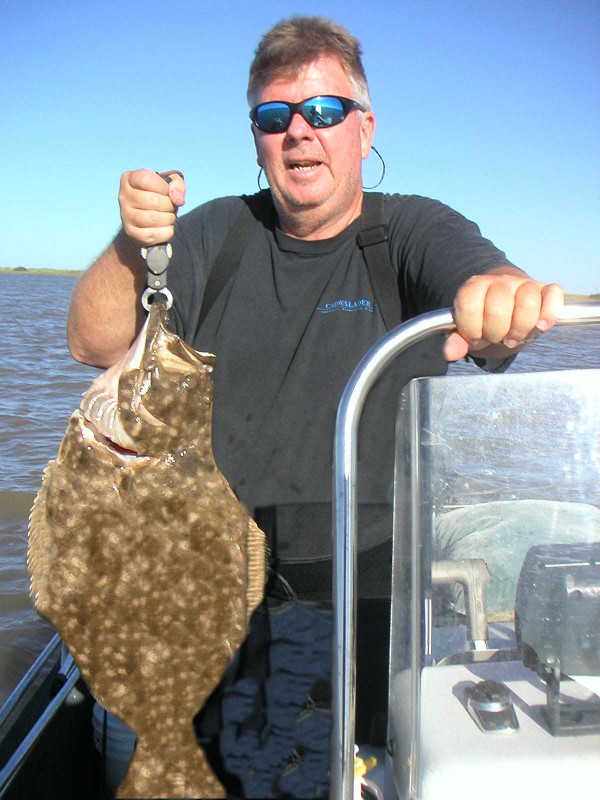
(491,107)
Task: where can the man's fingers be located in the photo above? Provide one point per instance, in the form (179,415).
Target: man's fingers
(146,180)
(455,347)
(502,309)
(468,305)
(536,309)
(525,313)
(176,186)
(143,218)
(144,200)
(149,204)
(553,300)
(149,236)
(498,309)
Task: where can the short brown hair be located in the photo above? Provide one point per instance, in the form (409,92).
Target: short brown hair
(295,42)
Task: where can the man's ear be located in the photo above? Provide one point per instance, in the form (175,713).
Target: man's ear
(367,132)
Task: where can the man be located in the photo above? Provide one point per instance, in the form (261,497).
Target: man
(288,329)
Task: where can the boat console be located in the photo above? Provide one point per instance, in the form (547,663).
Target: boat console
(495,638)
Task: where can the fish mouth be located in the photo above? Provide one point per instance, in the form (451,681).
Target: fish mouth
(116,413)
(92,435)
(100,414)
(99,417)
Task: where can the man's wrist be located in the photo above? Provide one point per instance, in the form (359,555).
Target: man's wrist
(128,251)
(508,269)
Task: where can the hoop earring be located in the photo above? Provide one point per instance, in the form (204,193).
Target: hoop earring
(260,188)
(376,151)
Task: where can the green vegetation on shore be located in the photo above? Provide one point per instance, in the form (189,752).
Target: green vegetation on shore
(27,271)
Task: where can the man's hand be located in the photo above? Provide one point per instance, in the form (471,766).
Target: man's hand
(149,205)
(499,312)
(105,314)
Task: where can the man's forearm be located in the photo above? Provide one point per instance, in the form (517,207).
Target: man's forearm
(106,313)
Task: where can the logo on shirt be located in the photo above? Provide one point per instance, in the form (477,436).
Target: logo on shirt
(346,305)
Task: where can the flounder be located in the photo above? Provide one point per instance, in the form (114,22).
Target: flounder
(142,557)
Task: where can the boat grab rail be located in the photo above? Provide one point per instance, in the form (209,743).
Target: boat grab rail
(29,677)
(69,672)
(16,761)
(345,517)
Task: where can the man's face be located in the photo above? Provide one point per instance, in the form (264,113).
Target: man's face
(315,173)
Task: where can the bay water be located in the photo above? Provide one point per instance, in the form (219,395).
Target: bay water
(41,385)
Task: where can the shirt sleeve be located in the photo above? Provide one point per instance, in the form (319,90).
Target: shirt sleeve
(492,364)
(435,250)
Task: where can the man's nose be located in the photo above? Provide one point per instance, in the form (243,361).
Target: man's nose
(299,127)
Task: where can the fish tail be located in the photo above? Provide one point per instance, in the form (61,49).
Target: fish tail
(171,767)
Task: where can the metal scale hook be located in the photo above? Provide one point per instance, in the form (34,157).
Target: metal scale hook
(157,258)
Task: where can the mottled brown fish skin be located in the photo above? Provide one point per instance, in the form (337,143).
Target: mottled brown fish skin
(149,567)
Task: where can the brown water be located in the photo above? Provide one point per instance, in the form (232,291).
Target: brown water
(40,387)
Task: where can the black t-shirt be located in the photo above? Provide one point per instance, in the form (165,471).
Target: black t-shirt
(289,329)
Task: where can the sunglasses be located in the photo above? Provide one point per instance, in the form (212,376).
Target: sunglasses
(323,111)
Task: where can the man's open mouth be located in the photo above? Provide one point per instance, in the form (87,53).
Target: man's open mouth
(304,166)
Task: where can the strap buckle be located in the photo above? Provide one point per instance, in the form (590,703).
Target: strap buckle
(370,236)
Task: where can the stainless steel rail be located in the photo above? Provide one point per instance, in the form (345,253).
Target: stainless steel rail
(345,516)
(16,761)
(29,677)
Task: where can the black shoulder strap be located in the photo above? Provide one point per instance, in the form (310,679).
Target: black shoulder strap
(256,209)
(373,240)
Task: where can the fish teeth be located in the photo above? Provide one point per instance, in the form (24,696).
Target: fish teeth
(102,410)
(92,405)
(111,413)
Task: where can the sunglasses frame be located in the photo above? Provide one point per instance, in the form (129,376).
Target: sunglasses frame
(347,104)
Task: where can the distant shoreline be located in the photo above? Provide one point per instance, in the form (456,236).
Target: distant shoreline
(27,271)
(33,271)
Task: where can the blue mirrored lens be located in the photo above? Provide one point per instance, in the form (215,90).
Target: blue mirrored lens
(323,112)
(273,117)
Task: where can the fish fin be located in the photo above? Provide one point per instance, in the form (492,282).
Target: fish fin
(257,561)
(38,554)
